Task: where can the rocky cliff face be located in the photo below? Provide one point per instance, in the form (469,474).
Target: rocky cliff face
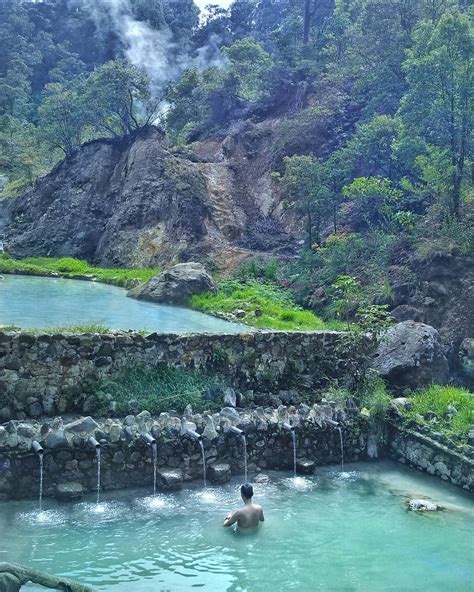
(133,202)
(440,294)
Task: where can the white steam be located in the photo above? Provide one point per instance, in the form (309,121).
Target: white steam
(151,49)
(210,55)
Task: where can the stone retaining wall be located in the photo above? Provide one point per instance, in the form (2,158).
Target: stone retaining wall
(434,458)
(48,374)
(126,459)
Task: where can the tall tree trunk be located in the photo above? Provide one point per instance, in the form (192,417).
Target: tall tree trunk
(307,21)
(310,226)
(455,158)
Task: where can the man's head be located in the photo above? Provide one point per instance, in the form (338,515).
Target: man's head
(246,491)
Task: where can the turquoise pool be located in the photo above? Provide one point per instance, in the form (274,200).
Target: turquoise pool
(38,302)
(344,532)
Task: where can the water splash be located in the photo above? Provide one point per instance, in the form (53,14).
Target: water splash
(43,517)
(155,503)
(342,449)
(347,476)
(104,511)
(154,452)
(299,483)
(209,497)
(203,462)
(97,453)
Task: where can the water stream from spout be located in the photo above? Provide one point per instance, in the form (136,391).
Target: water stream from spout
(154,452)
(244,442)
(293,438)
(97,453)
(203,462)
(40,455)
(342,449)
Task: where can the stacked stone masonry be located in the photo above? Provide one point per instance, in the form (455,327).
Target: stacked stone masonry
(126,458)
(425,454)
(48,374)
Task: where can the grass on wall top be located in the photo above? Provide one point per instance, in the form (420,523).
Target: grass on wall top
(265,306)
(68,266)
(445,409)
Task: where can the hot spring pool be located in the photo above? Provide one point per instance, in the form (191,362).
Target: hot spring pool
(38,302)
(347,532)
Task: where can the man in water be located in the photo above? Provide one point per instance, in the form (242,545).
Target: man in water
(249,517)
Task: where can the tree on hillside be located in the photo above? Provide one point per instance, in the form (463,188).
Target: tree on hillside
(20,149)
(375,201)
(63,116)
(249,64)
(307,193)
(315,11)
(151,11)
(118,98)
(370,150)
(17,58)
(438,105)
(113,100)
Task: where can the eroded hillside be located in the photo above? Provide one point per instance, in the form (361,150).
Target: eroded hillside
(133,202)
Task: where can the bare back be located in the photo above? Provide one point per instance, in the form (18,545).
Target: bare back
(247,518)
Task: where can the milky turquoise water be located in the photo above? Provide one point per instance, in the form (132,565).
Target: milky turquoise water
(36,302)
(347,532)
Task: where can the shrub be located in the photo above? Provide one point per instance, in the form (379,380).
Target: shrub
(258,269)
(375,398)
(445,409)
(157,390)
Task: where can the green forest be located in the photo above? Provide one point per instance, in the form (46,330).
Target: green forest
(377,92)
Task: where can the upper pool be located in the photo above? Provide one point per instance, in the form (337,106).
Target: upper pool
(38,302)
(347,532)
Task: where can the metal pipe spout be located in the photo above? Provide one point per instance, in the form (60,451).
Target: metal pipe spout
(93,442)
(149,439)
(332,423)
(193,435)
(288,427)
(37,447)
(236,431)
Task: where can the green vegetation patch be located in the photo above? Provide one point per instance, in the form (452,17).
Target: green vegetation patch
(156,390)
(266,306)
(372,397)
(70,267)
(443,409)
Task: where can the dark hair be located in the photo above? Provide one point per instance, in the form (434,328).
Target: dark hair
(246,490)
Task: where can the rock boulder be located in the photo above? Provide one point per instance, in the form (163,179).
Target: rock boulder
(69,491)
(170,479)
(422,505)
(411,355)
(219,473)
(176,285)
(465,362)
(305,466)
